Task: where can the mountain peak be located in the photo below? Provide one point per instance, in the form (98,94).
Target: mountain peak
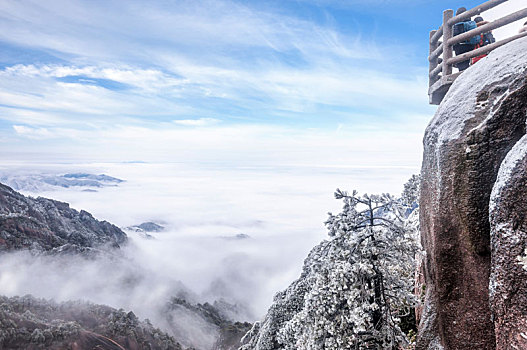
(46,224)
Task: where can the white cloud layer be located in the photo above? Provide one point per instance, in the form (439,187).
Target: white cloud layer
(282,209)
(235,145)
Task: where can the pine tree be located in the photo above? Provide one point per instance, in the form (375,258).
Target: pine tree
(356,287)
(364,283)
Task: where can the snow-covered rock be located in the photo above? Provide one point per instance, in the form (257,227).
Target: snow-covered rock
(480,120)
(508,279)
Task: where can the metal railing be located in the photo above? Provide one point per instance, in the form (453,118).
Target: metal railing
(441,57)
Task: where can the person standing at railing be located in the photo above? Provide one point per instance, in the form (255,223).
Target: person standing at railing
(486,39)
(465,46)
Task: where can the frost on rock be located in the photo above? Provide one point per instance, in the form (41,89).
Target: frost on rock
(508,237)
(464,97)
(522,259)
(505,234)
(356,288)
(505,172)
(508,279)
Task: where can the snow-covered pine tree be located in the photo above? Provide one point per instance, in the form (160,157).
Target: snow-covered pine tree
(411,191)
(356,286)
(364,285)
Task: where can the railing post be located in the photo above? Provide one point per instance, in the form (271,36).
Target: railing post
(447,49)
(432,63)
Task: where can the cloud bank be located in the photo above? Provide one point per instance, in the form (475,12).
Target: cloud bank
(203,207)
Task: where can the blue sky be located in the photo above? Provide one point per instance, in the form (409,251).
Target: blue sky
(304,80)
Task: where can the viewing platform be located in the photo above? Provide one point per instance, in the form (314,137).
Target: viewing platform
(442,41)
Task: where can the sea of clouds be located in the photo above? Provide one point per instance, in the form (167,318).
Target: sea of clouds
(200,256)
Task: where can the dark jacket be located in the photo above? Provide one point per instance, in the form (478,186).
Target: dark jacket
(461,48)
(488,38)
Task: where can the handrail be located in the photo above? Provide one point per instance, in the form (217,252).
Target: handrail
(435,71)
(488,27)
(475,11)
(437,35)
(437,52)
(485,49)
(440,68)
(431,65)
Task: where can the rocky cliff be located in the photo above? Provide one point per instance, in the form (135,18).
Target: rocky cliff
(474,165)
(45,224)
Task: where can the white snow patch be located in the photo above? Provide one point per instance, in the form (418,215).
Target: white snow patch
(436,345)
(522,259)
(491,114)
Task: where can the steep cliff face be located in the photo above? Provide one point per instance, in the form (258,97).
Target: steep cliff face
(508,279)
(45,224)
(479,122)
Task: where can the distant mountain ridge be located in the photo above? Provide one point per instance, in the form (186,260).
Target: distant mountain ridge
(148,226)
(45,224)
(215,318)
(44,182)
(87,176)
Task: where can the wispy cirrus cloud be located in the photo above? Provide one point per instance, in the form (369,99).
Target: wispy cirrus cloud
(36,133)
(174,65)
(144,31)
(229,93)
